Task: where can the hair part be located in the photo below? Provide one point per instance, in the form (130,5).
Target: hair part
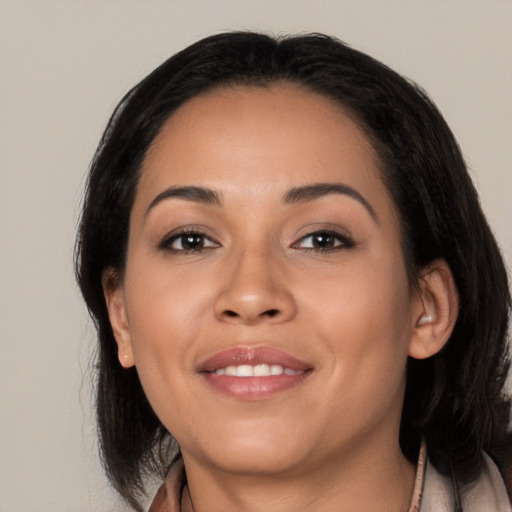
(455,399)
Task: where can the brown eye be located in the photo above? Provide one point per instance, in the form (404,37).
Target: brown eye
(187,242)
(324,241)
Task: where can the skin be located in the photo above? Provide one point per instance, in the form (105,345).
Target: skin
(348,310)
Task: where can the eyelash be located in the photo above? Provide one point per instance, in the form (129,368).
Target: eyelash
(339,241)
(167,242)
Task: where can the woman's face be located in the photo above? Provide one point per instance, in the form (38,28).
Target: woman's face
(265,302)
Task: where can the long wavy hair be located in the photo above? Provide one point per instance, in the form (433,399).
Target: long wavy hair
(456,399)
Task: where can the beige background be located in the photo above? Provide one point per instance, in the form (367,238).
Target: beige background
(64,65)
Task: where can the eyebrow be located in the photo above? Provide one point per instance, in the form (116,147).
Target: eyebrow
(314,191)
(189,193)
(295,195)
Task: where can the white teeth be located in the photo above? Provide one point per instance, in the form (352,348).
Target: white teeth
(259,370)
(276,369)
(244,370)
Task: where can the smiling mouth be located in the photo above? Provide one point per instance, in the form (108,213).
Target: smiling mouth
(253,373)
(259,370)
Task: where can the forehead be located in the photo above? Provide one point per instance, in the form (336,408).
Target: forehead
(242,108)
(271,137)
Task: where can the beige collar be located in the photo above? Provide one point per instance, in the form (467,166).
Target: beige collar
(432,491)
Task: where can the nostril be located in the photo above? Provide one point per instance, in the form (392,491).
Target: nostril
(270,313)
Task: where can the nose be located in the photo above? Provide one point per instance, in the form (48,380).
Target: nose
(255,291)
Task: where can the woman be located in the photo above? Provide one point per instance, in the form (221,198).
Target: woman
(296,293)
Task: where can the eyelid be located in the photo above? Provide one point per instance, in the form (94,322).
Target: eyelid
(345,239)
(175,234)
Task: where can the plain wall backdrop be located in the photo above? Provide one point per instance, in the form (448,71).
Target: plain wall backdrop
(63,67)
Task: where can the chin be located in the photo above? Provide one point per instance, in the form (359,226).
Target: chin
(253,461)
(253,453)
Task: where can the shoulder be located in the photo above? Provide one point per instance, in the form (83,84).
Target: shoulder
(487,494)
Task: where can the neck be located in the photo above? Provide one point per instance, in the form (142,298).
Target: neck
(375,480)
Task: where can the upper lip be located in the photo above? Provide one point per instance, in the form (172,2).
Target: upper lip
(253,356)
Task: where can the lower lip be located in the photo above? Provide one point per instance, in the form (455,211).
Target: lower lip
(253,388)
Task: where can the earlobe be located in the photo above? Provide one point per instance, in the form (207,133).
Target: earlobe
(114,298)
(435,312)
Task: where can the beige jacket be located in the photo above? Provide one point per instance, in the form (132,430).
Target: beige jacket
(488,494)
(432,493)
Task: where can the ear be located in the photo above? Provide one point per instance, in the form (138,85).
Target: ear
(114,298)
(435,311)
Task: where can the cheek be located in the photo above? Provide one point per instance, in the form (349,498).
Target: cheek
(373,293)
(364,317)
(367,336)
(165,311)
